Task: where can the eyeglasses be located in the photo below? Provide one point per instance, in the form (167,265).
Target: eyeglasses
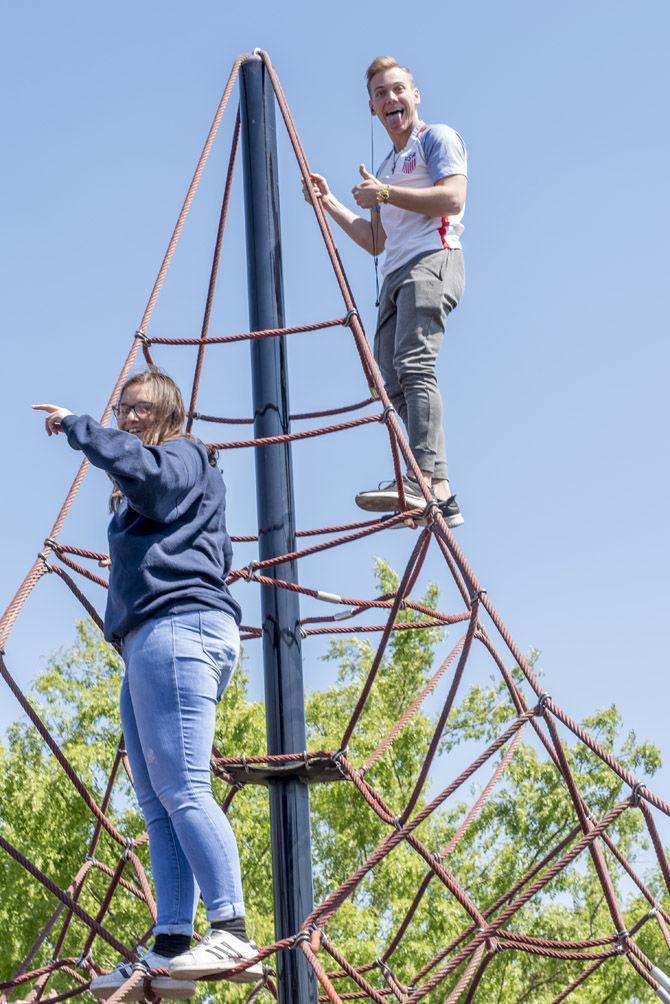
(141,410)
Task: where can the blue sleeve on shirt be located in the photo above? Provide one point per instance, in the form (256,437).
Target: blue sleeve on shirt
(154,479)
(444,151)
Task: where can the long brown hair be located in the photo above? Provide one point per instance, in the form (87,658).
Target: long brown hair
(167,406)
(167,415)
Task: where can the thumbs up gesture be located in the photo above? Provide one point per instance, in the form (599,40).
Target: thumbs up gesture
(365,192)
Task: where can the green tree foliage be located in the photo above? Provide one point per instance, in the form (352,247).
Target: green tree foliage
(528,813)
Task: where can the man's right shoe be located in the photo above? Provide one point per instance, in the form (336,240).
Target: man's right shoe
(104,986)
(451,513)
(218,952)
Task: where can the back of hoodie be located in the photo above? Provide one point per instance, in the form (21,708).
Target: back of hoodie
(168,542)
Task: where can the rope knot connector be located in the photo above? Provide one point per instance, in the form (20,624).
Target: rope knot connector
(249,574)
(142,337)
(316,937)
(382,965)
(336,758)
(388,975)
(130,843)
(83,960)
(343,615)
(430,511)
(388,410)
(350,314)
(636,793)
(301,936)
(542,703)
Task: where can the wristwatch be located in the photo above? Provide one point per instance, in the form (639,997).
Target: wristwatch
(383,193)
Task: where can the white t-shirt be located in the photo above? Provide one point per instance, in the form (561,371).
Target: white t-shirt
(432,152)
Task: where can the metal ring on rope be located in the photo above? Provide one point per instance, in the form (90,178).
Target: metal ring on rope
(542,703)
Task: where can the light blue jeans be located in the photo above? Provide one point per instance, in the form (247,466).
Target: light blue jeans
(177,668)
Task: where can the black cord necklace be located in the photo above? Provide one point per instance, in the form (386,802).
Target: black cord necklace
(376,210)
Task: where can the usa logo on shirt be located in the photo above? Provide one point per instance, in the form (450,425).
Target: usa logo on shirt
(409,163)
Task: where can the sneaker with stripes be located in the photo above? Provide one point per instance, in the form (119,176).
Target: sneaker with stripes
(218,952)
(163,986)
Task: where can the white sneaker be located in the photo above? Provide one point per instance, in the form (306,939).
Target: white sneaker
(163,986)
(214,955)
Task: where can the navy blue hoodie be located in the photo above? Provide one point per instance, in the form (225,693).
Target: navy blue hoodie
(167,540)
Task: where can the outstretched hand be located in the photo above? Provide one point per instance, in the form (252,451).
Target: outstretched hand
(365,192)
(55,415)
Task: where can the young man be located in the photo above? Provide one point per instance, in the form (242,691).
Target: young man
(416,202)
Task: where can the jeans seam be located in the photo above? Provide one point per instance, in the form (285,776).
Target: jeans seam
(189,780)
(181,723)
(173,838)
(176,900)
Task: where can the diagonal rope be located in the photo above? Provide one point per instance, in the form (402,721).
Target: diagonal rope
(468,956)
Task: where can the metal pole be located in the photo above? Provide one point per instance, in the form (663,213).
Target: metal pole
(282,656)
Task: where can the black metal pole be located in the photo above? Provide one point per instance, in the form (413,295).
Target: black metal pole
(280,611)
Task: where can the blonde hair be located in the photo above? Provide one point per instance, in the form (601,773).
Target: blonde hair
(380,63)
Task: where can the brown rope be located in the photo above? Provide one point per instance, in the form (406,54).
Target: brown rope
(486,933)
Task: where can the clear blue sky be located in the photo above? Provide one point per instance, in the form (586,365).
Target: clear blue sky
(555,365)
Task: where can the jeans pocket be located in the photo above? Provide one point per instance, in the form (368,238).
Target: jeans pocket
(220,641)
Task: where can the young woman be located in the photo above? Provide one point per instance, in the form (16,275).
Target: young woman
(177,624)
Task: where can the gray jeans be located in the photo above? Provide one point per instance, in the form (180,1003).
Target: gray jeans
(414,304)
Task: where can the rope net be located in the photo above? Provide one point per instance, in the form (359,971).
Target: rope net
(484,931)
